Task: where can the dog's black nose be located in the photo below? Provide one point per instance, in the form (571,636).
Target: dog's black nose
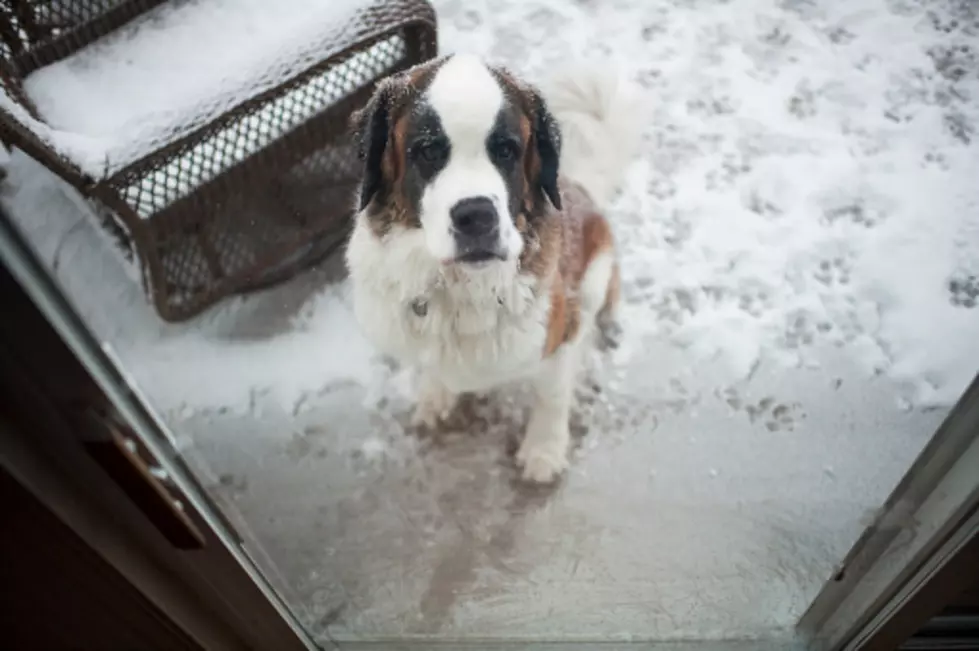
(474,217)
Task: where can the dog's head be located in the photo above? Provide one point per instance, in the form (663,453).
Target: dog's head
(462,151)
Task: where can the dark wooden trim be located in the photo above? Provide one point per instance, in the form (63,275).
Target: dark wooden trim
(47,397)
(61,594)
(958,574)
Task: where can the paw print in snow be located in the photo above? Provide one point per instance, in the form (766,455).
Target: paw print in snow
(758,204)
(802,103)
(936,159)
(710,106)
(776,37)
(733,165)
(661,187)
(731,396)
(799,332)
(964,291)
(641,289)
(677,231)
(943,24)
(650,77)
(754,302)
(856,213)
(959,127)
(777,417)
(676,305)
(651,31)
(833,273)
(953,62)
(840,35)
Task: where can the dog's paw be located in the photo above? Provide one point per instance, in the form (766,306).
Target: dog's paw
(542,462)
(433,408)
(609,334)
(428,415)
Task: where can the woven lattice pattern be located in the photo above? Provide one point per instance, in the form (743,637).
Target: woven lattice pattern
(252,131)
(38,32)
(52,17)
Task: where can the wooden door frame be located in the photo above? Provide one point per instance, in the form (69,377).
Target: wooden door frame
(61,393)
(911,561)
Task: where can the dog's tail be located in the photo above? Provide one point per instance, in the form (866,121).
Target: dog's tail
(598,112)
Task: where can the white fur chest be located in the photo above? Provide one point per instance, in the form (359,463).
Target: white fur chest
(474,329)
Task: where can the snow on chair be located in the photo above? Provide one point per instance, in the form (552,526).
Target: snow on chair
(209,135)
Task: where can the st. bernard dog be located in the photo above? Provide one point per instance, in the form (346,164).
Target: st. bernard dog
(480,255)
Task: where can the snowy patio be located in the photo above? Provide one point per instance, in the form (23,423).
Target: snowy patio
(801,262)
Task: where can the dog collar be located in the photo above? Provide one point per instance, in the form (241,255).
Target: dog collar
(420,306)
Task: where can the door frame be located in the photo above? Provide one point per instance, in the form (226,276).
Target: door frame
(63,395)
(911,561)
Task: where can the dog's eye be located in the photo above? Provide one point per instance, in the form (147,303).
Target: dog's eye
(504,151)
(429,152)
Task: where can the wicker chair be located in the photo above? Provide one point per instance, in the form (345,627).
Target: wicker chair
(242,200)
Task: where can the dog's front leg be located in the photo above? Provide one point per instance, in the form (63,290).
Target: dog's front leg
(435,401)
(543,455)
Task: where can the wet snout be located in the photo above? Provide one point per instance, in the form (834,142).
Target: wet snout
(476,229)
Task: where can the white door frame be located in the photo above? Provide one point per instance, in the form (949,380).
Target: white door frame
(928,519)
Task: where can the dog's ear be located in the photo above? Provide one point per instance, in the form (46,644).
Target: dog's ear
(547,139)
(371,131)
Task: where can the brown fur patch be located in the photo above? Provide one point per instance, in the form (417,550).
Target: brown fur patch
(521,223)
(394,155)
(596,237)
(397,94)
(557,321)
(531,166)
(394,170)
(578,236)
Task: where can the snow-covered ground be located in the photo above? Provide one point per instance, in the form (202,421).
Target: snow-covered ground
(800,242)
